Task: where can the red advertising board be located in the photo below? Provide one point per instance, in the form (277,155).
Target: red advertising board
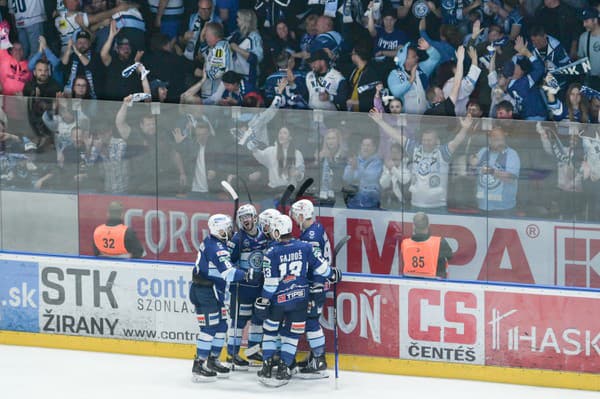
(556,332)
(169,229)
(368,319)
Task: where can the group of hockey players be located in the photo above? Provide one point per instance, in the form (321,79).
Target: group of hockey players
(263,276)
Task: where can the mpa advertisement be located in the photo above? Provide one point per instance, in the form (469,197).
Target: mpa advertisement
(503,250)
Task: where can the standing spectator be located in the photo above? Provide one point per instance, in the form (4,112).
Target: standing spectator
(78,59)
(362,175)
(191,40)
(283,161)
(116,85)
(306,41)
(53,60)
(130,23)
(424,255)
(14,70)
(166,65)
(527,71)
(40,89)
(217,58)
(388,38)
(295,94)
(467,85)
(198,161)
(450,39)
(430,163)
(327,88)
(508,15)
(498,169)
(109,152)
(168,16)
(226,10)
(445,106)
(410,79)
(569,158)
(247,47)
(29,17)
(332,158)
(363,80)
(284,41)
(114,238)
(547,48)
(560,21)
(71,20)
(591,175)
(327,38)
(395,178)
(589,46)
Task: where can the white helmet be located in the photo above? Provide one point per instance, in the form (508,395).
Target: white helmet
(302,208)
(281,224)
(265,219)
(245,212)
(220,226)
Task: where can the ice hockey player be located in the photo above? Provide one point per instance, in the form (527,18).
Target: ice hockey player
(246,248)
(264,222)
(315,365)
(284,299)
(212,272)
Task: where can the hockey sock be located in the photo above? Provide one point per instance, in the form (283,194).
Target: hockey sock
(315,336)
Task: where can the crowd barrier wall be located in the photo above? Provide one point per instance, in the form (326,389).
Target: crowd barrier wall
(504,333)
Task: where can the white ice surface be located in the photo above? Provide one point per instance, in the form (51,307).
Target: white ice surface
(39,373)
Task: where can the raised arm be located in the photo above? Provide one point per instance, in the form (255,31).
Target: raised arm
(465,124)
(121,119)
(460,57)
(105,52)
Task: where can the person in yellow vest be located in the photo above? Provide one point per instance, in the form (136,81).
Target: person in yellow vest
(114,238)
(424,255)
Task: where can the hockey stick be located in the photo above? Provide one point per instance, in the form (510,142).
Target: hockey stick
(236,203)
(285,197)
(303,187)
(234,196)
(336,353)
(245,188)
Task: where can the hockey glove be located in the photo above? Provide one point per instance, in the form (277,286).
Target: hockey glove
(335,276)
(261,308)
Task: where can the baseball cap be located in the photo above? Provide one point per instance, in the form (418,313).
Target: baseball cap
(122,40)
(318,55)
(156,83)
(508,69)
(525,64)
(589,13)
(82,34)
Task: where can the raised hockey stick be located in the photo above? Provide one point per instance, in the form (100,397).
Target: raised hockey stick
(234,196)
(285,197)
(303,187)
(236,202)
(336,353)
(245,188)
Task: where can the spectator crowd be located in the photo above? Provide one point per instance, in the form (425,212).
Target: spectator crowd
(467,106)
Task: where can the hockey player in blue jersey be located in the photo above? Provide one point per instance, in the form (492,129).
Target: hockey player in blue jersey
(247,248)
(264,222)
(212,272)
(302,212)
(284,299)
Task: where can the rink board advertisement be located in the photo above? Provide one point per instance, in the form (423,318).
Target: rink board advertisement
(378,317)
(503,250)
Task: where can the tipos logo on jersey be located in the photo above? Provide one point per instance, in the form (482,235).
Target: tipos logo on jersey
(442,325)
(577,260)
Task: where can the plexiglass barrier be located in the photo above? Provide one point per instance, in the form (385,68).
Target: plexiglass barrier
(517,201)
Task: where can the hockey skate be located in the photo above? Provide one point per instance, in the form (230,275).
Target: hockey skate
(254,356)
(237,363)
(284,373)
(266,376)
(215,365)
(201,373)
(315,368)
